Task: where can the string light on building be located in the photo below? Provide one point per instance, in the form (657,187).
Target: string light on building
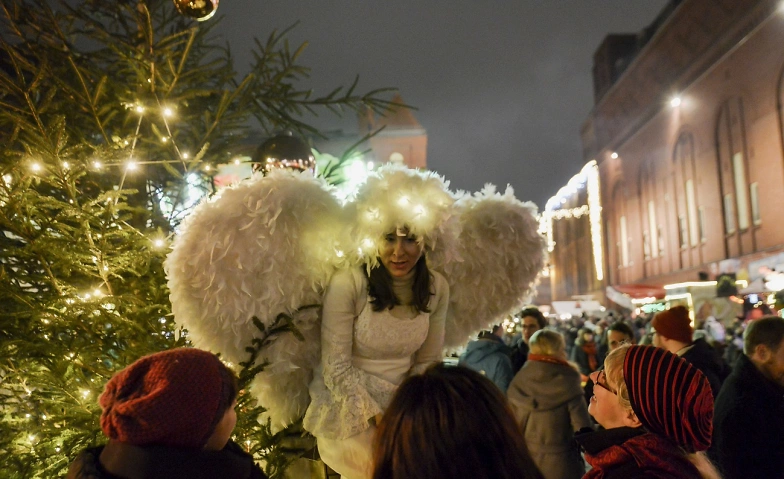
(588,177)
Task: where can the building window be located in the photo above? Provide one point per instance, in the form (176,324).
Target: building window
(646,245)
(683,232)
(739,174)
(624,242)
(691,208)
(755,212)
(701,213)
(660,239)
(653,244)
(729,214)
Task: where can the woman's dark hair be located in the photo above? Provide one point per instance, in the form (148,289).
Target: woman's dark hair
(382,296)
(536,314)
(450,423)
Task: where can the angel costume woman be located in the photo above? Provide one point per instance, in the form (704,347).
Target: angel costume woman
(381,266)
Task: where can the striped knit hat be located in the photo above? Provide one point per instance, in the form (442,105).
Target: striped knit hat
(671,397)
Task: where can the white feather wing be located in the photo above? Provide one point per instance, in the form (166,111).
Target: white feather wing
(500,256)
(263,247)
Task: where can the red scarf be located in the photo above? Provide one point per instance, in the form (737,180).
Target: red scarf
(590,352)
(546,359)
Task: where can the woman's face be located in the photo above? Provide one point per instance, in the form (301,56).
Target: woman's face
(604,405)
(400,252)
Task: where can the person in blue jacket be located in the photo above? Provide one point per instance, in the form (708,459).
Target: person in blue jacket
(491,357)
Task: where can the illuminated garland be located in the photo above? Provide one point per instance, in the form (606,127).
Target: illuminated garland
(588,176)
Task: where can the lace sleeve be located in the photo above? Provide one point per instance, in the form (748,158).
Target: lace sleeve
(431,350)
(337,337)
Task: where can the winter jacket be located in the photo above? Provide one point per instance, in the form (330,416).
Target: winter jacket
(748,425)
(587,357)
(491,357)
(548,404)
(160,462)
(519,355)
(634,453)
(702,356)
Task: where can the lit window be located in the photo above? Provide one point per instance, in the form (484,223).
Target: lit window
(624,242)
(729,214)
(739,173)
(683,233)
(691,208)
(701,213)
(755,211)
(653,246)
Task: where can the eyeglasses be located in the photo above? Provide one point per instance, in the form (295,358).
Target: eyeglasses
(601,381)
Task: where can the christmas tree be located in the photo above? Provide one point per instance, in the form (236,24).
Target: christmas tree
(114,116)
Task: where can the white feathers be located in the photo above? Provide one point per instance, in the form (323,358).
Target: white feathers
(261,248)
(501,253)
(395,197)
(269,246)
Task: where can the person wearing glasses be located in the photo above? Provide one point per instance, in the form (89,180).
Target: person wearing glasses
(531,321)
(656,411)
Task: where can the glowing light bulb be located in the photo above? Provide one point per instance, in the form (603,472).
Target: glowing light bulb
(97,165)
(614,155)
(85,393)
(419,209)
(164,139)
(7,179)
(367,243)
(207,168)
(159,243)
(131,166)
(403,201)
(339,253)
(168,112)
(66,165)
(675,101)
(185,156)
(236,161)
(36,167)
(139,109)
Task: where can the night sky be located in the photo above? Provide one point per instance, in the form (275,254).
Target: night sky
(502,87)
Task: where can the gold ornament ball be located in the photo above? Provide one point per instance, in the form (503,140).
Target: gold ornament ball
(199,10)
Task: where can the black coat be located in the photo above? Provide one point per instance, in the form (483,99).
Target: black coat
(159,462)
(703,357)
(748,425)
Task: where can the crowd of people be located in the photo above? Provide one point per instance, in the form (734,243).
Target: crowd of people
(651,412)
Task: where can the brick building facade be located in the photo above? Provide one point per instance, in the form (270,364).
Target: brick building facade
(689,140)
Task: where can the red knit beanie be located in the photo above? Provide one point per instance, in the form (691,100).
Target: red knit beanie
(172,398)
(670,397)
(674,323)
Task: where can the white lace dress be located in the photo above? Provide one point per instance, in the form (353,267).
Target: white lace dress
(365,356)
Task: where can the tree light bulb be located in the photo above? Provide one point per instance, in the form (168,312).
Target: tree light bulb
(97,165)
(139,109)
(164,139)
(36,167)
(185,156)
(207,168)
(131,166)
(159,243)
(168,112)
(66,165)
(614,155)
(403,201)
(675,101)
